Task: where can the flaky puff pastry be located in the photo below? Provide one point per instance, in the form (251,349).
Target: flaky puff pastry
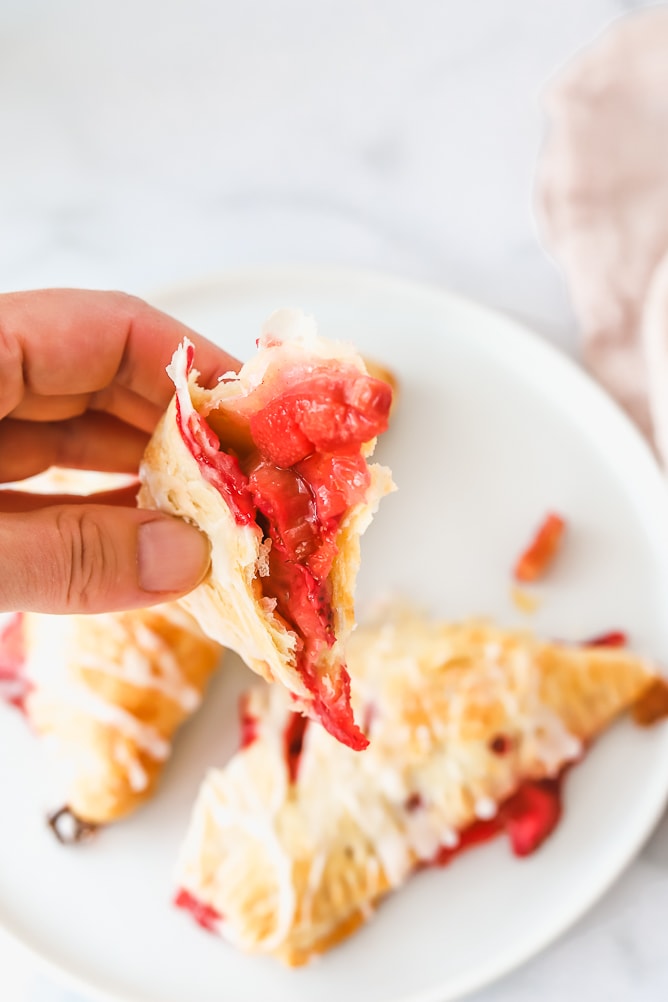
(298,409)
(106,694)
(290,848)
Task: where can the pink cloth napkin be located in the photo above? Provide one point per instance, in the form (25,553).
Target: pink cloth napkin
(602,200)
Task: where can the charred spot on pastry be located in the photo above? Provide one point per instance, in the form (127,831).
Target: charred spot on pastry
(68,828)
(413,803)
(501,744)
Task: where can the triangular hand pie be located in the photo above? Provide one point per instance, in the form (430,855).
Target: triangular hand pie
(470,727)
(105,693)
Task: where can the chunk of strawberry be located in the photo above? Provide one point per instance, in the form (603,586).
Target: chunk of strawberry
(539,555)
(324,414)
(277,433)
(337,481)
(532,814)
(302,600)
(345,413)
(287,502)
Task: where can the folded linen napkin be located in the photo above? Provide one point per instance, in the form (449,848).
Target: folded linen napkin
(602,202)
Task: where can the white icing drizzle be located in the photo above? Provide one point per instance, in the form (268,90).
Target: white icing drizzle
(143,735)
(52,646)
(177,370)
(485,808)
(257,826)
(146,662)
(136,773)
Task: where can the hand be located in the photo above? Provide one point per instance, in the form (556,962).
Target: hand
(82,385)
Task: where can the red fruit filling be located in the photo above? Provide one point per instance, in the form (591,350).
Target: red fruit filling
(528,817)
(293,738)
(300,472)
(538,557)
(221,469)
(248,724)
(14,686)
(204,915)
(615,638)
(531,815)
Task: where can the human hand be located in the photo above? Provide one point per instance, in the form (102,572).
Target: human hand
(82,385)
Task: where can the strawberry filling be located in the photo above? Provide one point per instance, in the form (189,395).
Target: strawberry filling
(248,725)
(220,469)
(14,686)
(204,915)
(539,556)
(615,638)
(293,738)
(528,817)
(299,471)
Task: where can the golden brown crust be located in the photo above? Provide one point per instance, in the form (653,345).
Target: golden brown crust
(652,705)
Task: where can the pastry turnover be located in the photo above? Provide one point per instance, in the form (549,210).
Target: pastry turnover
(295,840)
(272,465)
(106,694)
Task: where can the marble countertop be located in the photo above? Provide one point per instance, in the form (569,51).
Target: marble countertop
(146,142)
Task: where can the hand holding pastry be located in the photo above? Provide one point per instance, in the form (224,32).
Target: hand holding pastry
(82,385)
(273,465)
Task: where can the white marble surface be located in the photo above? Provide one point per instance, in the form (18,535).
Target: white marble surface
(143,142)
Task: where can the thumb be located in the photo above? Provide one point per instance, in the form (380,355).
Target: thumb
(84,558)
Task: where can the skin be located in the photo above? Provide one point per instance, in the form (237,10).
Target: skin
(82,385)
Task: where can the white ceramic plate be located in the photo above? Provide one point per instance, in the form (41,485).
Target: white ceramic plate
(493,428)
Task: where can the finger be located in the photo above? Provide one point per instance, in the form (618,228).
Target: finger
(87,559)
(34,407)
(16,500)
(68,341)
(116,400)
(91,442)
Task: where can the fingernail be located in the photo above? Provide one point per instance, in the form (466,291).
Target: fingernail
(173,556)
